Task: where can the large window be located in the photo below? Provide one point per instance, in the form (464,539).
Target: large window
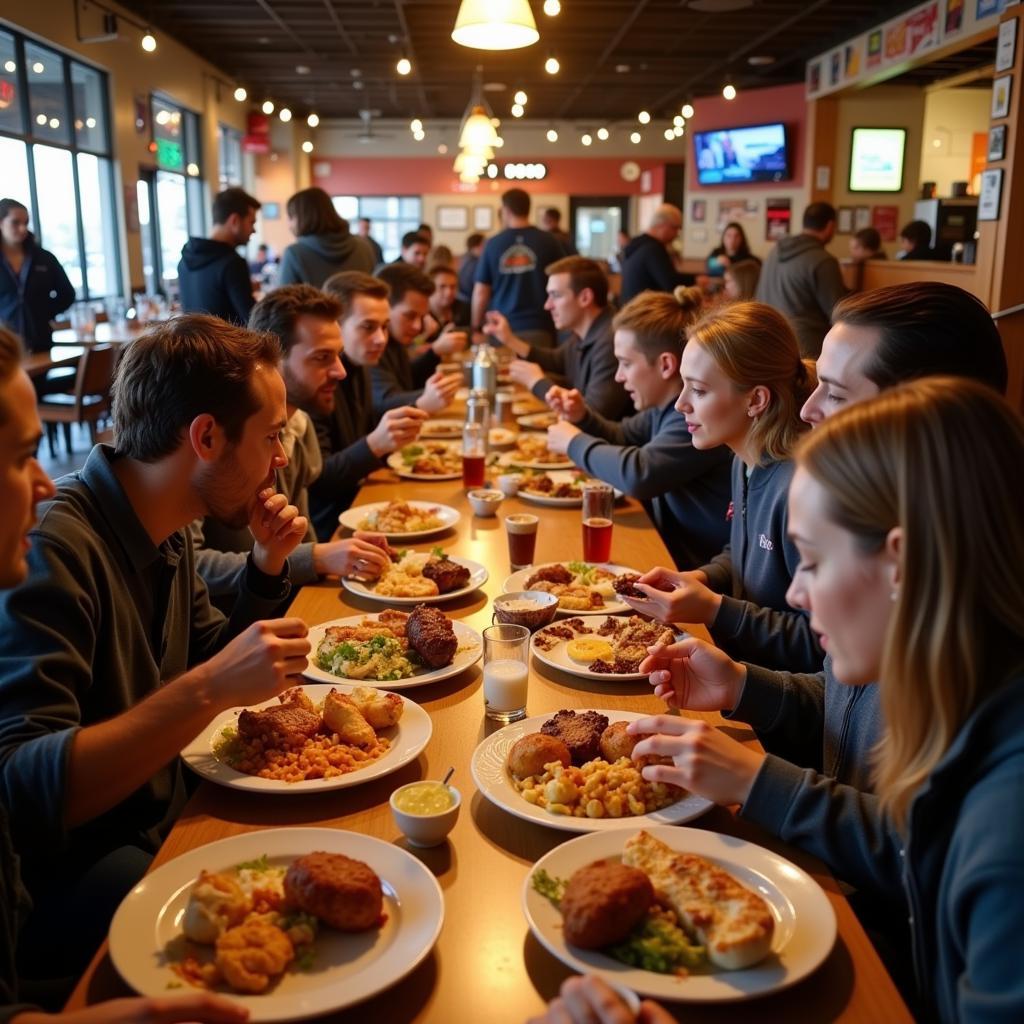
(55,158)
(390,216)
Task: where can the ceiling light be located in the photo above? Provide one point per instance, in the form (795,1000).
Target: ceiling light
(193,169)
(415,125)
(602,134)
(149,42)
(551,65)
(419,136)
(678,121)
(241,95)
(678,131)
(442,149)
(38,67)
(163,116)
(478,131)
(10,67)
(486,25)
(268,106)
(586,140)
(285,115)
(729,92)
(670,134)
(302,69)
(498,143)
(54,122)
(518,110)
(520,97)
(687,110)
(40,119)
(90,122)
(307,146)
(492,171)
(358,85)
(760,60)
(496,121)
(552,135)
(643,117)
(622,69)
(635,138)
(552,7)
(404,65)
(313,120)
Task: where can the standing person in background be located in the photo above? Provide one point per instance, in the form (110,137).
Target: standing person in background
(33,286)
(363,227)
(647,263)
(802,279)
(733,249)
(510,277)
(323,243)
(212,276)
(468,265)
(551,222)
(916,241)
(414,251)
(427,232)
(446,311)
(866,244)
(263,257)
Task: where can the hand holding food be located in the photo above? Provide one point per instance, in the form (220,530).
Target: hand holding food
(560,436)
(276,528)
(439,392)
(689,600)
(704,760)
(397,427)
(567,402)
(695,675)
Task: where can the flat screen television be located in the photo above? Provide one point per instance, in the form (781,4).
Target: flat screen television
(730,156)
(876,159)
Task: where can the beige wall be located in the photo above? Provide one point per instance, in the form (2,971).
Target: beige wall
(951,119)
(171,69)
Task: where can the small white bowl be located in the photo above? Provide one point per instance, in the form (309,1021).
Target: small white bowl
(485,502)
(425,830)
(509,484)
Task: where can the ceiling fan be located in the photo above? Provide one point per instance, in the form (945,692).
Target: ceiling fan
(366,134)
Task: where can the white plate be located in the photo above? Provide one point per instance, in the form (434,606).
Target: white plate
(805,923)
(612,606)
(348,967)
(558,476)
(397,463)
(352,518)
(558,658)
(441,430)
(408,738)
(491,775)
(536,420)
(514,459)
(501,437)
(477,578)
(468,638)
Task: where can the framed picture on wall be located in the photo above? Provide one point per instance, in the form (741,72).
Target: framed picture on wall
(991,194)
(861,217)
(996,142)
(698,211)
(1001,97)
(483,218)
(452,218)
(1006,48)
(844,220)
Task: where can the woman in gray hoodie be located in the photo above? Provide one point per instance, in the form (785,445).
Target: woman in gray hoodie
(323,243)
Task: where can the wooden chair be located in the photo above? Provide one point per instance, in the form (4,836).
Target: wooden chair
(90,400)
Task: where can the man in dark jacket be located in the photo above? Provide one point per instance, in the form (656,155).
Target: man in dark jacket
(646,262)
(212,276)
(802,279)
(468,265)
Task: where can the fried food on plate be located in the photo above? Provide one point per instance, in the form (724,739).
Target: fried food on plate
(531,753)
(292,722)
(342,892)
(342,716)
(382,710)
(216,903)
(603,902)
(252,955)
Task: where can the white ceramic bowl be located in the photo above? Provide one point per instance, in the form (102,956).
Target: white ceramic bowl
(509,484)
(426,829)
(485,502)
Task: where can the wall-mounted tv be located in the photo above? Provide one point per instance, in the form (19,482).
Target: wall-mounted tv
(876,159)
(730,156)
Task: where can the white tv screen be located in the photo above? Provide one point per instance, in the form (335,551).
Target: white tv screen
(876,159)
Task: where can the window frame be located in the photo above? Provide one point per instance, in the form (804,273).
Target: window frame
(360,200)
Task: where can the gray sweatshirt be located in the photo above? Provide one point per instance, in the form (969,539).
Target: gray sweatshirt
(802,279)
(650,456)
(311,259)
(753,572)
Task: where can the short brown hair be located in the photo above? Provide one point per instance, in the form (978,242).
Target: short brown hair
(404,277)
(442,268)
(278,311)
(583,273)
(659,320)
(517,202)
(178,370)
(347,284)
(314,213)
(869,238)
(11,355)
(233,200)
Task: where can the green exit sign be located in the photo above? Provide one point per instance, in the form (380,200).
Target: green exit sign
(168,154)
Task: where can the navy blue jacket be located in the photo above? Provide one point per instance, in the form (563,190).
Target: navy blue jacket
(31,299)
(647,266)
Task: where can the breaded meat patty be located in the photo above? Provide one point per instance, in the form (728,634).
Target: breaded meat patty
(603,903)
(340,891)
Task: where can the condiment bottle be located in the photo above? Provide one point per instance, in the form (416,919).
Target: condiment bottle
(485,371)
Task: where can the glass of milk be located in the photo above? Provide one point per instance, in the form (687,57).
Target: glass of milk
(506,672)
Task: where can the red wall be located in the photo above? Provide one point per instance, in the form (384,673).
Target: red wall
(785,103)
(386,176)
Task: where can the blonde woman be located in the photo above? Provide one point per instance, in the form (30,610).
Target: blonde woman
(912,571)
(743,385)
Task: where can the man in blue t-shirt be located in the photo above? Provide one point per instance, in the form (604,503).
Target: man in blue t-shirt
(510,277)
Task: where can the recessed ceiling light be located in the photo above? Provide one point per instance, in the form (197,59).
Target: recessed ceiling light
(602,134)
(355,72)
(302,69)
(622,69)
(760,60)
(357,84)
(495,86)
(263,40)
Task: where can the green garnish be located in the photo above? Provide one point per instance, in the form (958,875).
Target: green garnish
(305,959)
(582,569)
(548,886)
(261,864)
(438,552)
(658,944)
(411,452)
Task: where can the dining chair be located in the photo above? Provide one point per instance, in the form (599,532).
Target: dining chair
(88,403)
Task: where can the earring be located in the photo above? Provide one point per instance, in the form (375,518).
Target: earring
(894,596)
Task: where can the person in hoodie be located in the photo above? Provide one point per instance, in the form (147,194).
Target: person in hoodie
(212,276)
(916,241)
(33,286)
(649,455)
(646,262)
(802,279)
(323,243)
(743,385)
(912,571)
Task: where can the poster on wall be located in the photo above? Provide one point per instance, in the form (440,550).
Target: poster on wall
(986,8)
(996,142)
(1001,97)
(1006,49)
(886,221)
(844,220)
(861,217)
(452,218)
(852,69)
(923,28)
(991,192)
(896,39)
(814,78)
(875,48)
(742,211)
(834,68)
(483,218)
(777,216)
(698,211)
(954,16)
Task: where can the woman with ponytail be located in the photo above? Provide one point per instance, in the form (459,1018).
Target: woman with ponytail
(743,385)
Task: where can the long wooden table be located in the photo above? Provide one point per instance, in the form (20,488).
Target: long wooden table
(38,364)
(487,966)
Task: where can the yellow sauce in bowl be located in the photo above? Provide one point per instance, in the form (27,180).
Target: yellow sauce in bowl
(424,798)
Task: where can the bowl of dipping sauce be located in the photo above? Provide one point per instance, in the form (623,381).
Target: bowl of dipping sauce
(425,812)
(509,484)
(485,503)
(529,608)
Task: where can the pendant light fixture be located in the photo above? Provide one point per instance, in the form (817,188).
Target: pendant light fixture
(495,25)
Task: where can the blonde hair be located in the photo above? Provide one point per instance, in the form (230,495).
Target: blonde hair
(659,320)
(933,458)
(753,345)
